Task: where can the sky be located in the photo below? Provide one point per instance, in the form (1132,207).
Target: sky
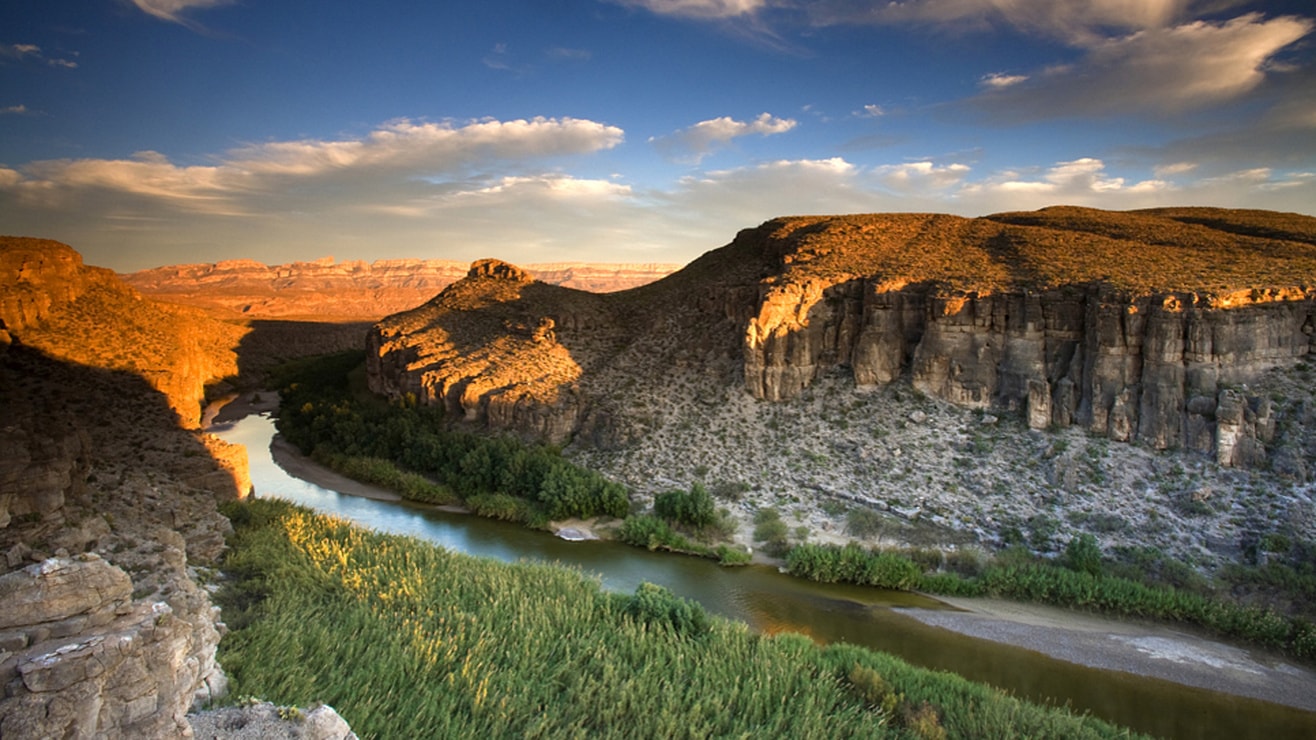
(153,132)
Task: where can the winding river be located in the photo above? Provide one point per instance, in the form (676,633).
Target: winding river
(771,602)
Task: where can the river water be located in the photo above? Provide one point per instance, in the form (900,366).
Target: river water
(772,602)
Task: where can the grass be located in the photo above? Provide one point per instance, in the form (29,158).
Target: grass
(407,639)
(1081,586)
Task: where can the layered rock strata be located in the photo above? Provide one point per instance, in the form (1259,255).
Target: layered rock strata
(1166,369)
(108,505)
(1140,326)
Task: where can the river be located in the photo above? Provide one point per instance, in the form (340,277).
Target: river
(772,602)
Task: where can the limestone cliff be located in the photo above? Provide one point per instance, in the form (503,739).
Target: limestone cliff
(325,290)
(1138,326)
(107,503)
(50,301)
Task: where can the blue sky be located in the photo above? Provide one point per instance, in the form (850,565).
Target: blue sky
(149,132)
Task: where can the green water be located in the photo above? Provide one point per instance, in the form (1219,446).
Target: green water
(772,602)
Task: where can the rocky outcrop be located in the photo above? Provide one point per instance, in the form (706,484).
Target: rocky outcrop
(1160,369)
(524,380)
(51,301)
(107,503)
(265,721)
(325,290)
(81,659)
(1139,326)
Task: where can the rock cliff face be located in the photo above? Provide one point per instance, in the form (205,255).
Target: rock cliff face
(351,291)
(107,503)
(1141,326)
(49,300)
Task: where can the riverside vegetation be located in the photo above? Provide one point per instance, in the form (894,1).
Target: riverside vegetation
(329,414)
(404,637)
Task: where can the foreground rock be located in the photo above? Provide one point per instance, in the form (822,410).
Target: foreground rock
(265,721)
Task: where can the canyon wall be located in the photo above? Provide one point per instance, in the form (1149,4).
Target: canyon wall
(108,504)
(1167,370)
(1140,326)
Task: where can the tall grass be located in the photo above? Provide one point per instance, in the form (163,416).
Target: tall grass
(1049,584)
(407,639)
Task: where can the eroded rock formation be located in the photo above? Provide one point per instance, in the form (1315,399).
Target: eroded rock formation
(1140,326)
(107,502)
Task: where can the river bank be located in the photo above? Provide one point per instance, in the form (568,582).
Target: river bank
(1155,651)
(1145,649)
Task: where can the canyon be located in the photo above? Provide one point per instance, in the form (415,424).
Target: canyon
(1019,378)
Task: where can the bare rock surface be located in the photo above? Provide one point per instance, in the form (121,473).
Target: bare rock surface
(108,511)
(265,721)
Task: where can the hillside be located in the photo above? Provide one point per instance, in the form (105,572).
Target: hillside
(324,290)
(898,362)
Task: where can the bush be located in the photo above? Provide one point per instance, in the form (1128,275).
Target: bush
(1083,555)
(693,508)
(863,523)
(771,531)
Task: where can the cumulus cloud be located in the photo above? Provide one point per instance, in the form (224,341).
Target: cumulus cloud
(921,176)
(697,141)
(1163,69)
(404,162)
(703,9)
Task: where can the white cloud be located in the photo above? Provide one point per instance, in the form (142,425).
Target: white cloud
(1075,21)
(175,10)
(14,110)
(1001,80)
(700,139)
(871,111)
(397,162)
(1174,168)
(19,52)
(923,175)
(1162,69)
(704,9)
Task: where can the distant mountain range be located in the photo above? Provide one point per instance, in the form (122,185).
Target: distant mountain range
(325,290)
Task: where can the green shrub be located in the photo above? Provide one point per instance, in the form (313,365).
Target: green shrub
(1082,554)
(693,508)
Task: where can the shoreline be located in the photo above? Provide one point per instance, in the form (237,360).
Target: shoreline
(1154,650)
(1147,649)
